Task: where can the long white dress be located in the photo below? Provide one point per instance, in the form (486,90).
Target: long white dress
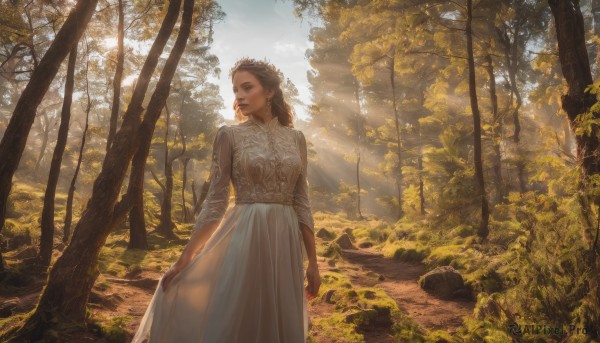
(246,284)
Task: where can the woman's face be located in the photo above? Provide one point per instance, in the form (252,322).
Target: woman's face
(250,96)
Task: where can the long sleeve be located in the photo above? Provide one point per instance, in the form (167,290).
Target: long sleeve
(217,199)
(301,201)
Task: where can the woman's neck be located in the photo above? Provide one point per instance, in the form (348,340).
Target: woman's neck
(263,116)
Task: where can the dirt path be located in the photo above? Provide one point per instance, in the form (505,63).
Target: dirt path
(401,283)
(130,296)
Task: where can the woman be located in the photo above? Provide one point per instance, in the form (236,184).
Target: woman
(240,277)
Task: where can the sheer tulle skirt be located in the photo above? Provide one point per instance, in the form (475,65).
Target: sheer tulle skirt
(246,285)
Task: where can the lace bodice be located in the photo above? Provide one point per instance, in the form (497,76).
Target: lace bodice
(266,162)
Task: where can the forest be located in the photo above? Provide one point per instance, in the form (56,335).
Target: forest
(453,164)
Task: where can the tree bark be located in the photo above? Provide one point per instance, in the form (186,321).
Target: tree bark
(187,217)
(358,131)
(185,211)
(575,67)
(483,230)
(72,276)
(166,225)
(46,127)
(71,194)
(420,158)
(47,224)
(117,81)
(15,137)
(398,140)
(496,131)
(511,57)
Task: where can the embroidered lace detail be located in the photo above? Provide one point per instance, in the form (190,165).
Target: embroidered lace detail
(266,162)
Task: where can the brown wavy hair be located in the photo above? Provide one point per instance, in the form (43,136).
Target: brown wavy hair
(270,79)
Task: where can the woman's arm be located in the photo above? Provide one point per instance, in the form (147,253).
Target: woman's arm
(309,243)
(306,222)
(214,206)
(312,272)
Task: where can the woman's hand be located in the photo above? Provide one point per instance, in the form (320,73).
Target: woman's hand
(314,281)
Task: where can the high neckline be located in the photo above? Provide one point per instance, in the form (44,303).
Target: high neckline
(272,123)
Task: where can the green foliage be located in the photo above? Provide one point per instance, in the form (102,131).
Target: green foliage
(114,329)
(416,255)
(346,199)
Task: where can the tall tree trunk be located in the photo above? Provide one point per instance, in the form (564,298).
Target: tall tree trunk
(358,131)
(47,224)
(71,193)
(187,217)
(15,137)
(166,225)
(185,212)
(572,52)
(496,131)
(420,158)
(137,222)
(483,230)
(116,101)
(398,140)
(511,57)
(46,127)
(573,55)
(575,66)
(72,276)
(512,74)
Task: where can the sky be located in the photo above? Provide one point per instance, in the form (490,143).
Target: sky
(262,29)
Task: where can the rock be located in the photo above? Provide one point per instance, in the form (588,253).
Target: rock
(333,250)
(381,278)
(344,242)
(109,301)
(8,306)
(369,294)
(488,308)
(325,235)
(328,296)
(365,245)
(371,318)
(443,282)
(348,231)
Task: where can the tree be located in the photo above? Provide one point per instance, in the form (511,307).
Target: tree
(15,136)
(71,192)
(117,80)
(72,276)
(47,225)
(483,230)
(576,70)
